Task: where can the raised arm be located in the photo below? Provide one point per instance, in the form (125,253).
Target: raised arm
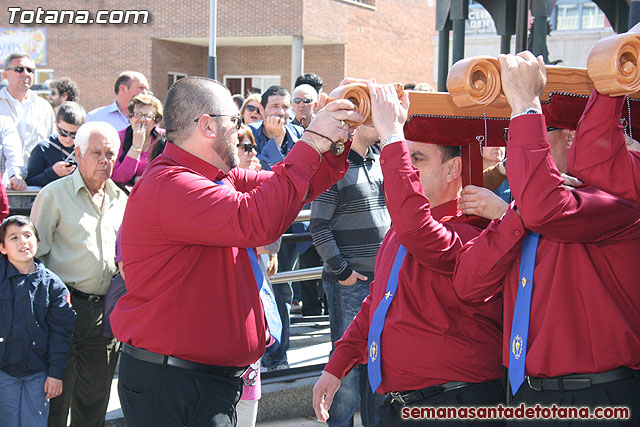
(546,206)
(223,216)
(483,262)
(431,243)
(599,154)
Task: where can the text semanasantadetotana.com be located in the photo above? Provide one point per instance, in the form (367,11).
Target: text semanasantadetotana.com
(521,412)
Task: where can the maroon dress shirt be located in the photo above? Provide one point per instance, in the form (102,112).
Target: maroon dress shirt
(598,155)
(430,335)
(585,304)
(191,292)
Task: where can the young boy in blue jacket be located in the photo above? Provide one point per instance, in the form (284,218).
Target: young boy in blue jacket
(36,326)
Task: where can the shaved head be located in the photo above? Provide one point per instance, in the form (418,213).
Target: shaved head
(187,100)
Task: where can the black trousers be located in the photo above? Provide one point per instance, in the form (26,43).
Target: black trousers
(490,393)
(91,363)
(164,396)
(616,393)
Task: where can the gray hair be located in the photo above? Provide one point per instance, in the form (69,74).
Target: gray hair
(187,100)
(104,128)
(15,55)
(307,89)
(71,112)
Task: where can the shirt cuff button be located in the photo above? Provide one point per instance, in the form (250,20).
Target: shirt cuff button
(517,233)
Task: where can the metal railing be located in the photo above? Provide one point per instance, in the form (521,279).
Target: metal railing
(306,273)
(297,275)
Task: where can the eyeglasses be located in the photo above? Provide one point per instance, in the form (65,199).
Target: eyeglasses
(248,147)
(20,69)
(64,133)
(148,116)
(235,119)
(305,100)
(251,108)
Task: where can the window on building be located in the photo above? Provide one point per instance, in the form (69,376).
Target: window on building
(576,15)
(41,83)
(245,85)
(174,77)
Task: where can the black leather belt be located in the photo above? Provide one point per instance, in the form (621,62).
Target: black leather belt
(84,296)
(573,382)
(161,359)
(408,397)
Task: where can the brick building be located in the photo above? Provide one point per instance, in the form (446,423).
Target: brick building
(259,43)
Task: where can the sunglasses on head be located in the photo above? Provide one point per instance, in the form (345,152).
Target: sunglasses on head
(251,108)
(64,133)
(305,100)
(248,147)
(20,69)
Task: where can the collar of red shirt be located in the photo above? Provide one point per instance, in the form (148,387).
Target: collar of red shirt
(449,208)
(188,160)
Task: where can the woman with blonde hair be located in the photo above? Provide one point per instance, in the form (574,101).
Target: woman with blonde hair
(250,110)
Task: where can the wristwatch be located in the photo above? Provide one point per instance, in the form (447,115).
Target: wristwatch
(527,111)
(390,140)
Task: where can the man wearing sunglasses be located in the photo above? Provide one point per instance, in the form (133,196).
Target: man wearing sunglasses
(53,158)
(305,101)
(32,114)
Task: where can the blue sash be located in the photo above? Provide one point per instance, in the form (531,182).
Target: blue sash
(267,298)
(521,310)
(374,367)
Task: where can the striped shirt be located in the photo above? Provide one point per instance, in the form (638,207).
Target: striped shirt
(350,219)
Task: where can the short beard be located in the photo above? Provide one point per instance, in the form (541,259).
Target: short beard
(226,153)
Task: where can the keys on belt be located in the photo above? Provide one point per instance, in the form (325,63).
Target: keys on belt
(408,397)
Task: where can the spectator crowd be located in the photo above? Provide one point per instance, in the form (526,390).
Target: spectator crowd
(181,206)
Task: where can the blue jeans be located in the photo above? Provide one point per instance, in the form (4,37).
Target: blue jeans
(277,353)
(344,303)
(23,401)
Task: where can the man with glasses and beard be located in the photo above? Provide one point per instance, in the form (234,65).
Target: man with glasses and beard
(197,310)
(32,115)
(53,158)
